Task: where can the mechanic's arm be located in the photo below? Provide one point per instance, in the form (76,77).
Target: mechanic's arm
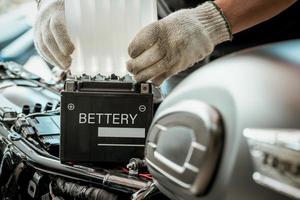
(185,37)
(243,14)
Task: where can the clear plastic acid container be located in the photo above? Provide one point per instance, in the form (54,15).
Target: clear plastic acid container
(101,31)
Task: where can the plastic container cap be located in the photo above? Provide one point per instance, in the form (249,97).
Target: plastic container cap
(101,31)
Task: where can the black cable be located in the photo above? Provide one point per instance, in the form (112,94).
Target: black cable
(83,192)
(6,167)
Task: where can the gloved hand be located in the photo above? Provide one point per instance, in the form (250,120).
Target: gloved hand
(51,38)
(176,42)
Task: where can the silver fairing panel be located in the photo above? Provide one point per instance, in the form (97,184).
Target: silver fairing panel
(254,89)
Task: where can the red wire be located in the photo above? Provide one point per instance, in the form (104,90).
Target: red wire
(125,170)
(147,176)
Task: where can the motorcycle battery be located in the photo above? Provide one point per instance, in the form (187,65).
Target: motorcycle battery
(104,120)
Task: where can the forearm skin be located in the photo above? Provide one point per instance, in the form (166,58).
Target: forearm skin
(243,14)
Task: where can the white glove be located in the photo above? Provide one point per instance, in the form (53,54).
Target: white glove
(177,42)
(51,38)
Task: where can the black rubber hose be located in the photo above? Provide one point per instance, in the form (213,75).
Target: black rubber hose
(83,192)
(6,167)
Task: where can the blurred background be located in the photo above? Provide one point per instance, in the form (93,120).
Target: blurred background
(7,5)
(16,36)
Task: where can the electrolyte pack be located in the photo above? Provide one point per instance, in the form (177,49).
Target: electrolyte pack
(104,120)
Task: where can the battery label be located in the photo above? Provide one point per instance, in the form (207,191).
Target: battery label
(107,118)
(121,132)
(105,127)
